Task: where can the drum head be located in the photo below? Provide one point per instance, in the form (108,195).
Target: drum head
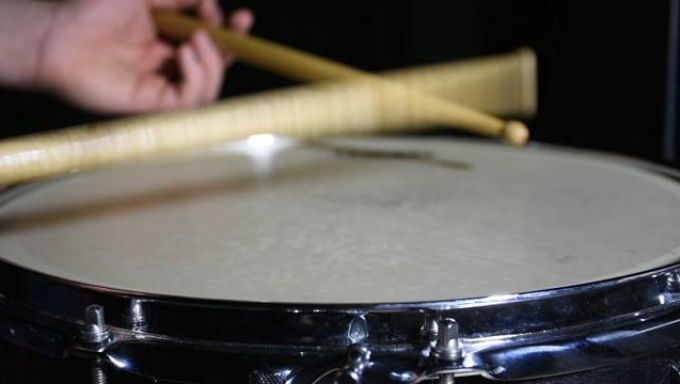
(348,221)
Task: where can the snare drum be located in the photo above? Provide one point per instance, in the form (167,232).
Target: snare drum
(391,260)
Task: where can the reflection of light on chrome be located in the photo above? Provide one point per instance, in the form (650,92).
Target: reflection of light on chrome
(286,372)
(261,149)
(500,298)
(662,299)
(118,363)
(403,376)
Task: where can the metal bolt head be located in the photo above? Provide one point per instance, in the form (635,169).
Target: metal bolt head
(94,315)
(95,330)
(448,345)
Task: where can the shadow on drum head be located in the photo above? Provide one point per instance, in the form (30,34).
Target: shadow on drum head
(165,196)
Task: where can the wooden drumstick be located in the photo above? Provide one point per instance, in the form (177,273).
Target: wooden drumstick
(350,107)
(502,85)
(304,66)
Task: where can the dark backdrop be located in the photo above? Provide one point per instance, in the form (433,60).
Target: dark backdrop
(603,66)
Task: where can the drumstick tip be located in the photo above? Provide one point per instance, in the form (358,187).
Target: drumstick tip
(515,133)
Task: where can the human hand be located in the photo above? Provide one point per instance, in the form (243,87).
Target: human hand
(106,56)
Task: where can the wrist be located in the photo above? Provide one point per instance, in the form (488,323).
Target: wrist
(24,30)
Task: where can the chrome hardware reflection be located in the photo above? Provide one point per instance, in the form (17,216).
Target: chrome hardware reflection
(358,330)
(95,331)
(448,344)
(137,320)
(673,281)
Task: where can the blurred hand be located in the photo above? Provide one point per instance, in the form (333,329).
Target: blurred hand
(105,56)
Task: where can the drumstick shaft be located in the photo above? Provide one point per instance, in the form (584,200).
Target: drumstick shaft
(349,107)
(304,66)
(503,85)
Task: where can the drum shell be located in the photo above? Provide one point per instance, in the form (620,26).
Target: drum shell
(23,366)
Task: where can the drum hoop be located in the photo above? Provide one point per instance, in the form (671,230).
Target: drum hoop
(569,328)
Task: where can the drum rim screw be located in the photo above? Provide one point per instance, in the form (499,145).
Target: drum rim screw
(98,372)
(448,346)
(95,330)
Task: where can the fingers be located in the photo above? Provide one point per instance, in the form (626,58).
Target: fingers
(155,55)
(192,88)
(210,12)
(152,93)
(202,71)
(202,66)
(212,63)
(240,21)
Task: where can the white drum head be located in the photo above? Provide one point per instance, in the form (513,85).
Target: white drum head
(374,220)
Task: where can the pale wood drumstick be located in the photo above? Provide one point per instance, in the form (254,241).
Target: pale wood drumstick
(304,66)
(350,107)
(502,85)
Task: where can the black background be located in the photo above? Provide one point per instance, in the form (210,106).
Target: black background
(602,65)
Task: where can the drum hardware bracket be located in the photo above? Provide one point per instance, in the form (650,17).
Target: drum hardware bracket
(95,334)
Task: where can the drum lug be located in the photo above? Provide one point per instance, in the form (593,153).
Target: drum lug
(95,334)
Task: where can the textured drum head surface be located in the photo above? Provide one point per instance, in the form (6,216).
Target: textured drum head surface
(348,221)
